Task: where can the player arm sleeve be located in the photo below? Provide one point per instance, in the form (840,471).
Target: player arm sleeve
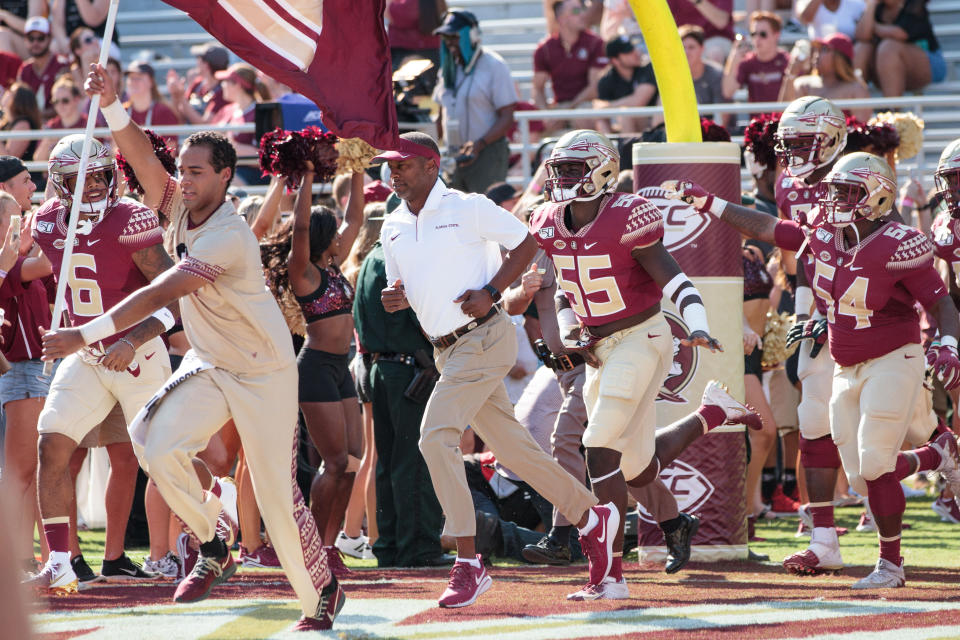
(788,235)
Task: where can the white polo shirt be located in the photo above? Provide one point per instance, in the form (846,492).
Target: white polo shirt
(451,246)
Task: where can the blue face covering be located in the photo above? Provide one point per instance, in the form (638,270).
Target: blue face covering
(468,51)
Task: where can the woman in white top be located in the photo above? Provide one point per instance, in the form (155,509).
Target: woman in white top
(826,17)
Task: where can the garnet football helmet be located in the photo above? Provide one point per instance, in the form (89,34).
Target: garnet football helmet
(63,165)
(947,178)
(583,166)
(811,134)
(860,186)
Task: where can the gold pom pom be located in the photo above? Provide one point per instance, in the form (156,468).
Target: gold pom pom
(910,128)
(355,155)
(775,349)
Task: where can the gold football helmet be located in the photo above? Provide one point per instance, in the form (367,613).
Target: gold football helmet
(860,186)
(947,178)
(583,166)
(64,164)
(811,134)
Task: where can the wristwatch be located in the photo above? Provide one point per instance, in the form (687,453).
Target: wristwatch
(493,291)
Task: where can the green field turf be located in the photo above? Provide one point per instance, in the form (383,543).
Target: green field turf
(926,544)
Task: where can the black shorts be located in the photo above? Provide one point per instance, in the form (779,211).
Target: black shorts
(324,377)
(753,363)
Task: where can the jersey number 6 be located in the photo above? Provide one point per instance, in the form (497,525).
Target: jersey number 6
(87,300)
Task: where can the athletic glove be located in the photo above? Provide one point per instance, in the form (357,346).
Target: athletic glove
(694,195)
(947,366)
(815,330)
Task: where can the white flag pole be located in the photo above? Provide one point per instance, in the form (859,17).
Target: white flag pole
(65,266)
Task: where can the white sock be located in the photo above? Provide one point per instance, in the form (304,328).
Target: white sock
(473,562)
(592,521)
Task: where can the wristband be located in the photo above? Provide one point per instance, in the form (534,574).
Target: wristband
(127,342)
(716,206)
(907,201)
(803,300)
(98,329)
(3,274)
(116,116)
(948,341)
(165,316)
(695,317)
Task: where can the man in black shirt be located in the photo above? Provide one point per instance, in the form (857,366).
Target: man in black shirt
(628,83)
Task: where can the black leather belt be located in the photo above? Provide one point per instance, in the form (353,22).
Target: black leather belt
(446,341)
(402,358)
(565,362)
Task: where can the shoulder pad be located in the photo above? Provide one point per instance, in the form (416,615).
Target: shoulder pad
(644,223)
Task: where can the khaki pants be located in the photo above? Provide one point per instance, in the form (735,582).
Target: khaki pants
(870,412)
(264,408)
(82,395)
(621,393)
(470,391)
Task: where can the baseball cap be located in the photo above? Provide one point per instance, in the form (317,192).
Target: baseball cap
(10,167)
(619,45)
(414,144)
(36,23)
(140,67)
(240,73)
(839,42)
(213,54)
(456,20)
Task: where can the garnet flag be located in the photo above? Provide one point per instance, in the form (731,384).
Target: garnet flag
(334,52)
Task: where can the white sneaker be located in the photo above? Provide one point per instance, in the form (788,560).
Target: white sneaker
(358,547)
(168,566)
(822,556)
(736,412)
(228,520)
(55,578)
(608,589)
(885,576)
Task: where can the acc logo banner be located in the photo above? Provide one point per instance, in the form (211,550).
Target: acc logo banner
(691,488)
(684,364)
(682,224)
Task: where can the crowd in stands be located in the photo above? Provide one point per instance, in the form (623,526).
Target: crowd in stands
(359,366)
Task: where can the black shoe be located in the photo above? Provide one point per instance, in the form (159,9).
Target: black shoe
(753,556)
(124,569)
(442,560)
(82,569)
(488,537)
(678,542)
(547,551)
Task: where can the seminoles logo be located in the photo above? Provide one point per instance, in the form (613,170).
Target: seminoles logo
(592,147)
(865,174)
(684,364)
(819,119)
(691,488)
(682,224)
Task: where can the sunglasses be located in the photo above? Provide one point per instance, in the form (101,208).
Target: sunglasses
(40,38)
(759,34)
(62,101)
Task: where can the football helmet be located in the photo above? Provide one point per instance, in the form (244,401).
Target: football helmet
(811,134)
(583,166)
(947,178)
(860,186)
(63,165)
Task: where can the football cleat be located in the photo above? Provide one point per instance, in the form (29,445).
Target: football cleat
(597,544)
(736,412)
(781,505)
(947,509)
(822,556)
(946,445)
(227,521)
(547,551)
(866,523)
(609,589)
(55,578)
(678,543)
(886,575)
(467,583)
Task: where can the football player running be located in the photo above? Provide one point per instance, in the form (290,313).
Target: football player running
(118,249)
(613,268)
(870,270)
(810,137)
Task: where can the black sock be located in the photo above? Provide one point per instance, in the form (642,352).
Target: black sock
(671,525)
(561,535)
(216,548)
(768,483)
(789,481)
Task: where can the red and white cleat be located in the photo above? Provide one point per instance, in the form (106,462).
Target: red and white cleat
(597,544)
(737,412)
(822,556)
(946,445)
(609,589)
(947,509)
(467,583)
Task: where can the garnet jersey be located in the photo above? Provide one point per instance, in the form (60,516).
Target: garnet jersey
(103,272)
(595,270)
(797,201)
(946,243)
(870,289)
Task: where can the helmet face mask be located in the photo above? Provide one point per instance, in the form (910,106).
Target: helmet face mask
(811,134)
(63,167)
(861,186)
(582,166)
